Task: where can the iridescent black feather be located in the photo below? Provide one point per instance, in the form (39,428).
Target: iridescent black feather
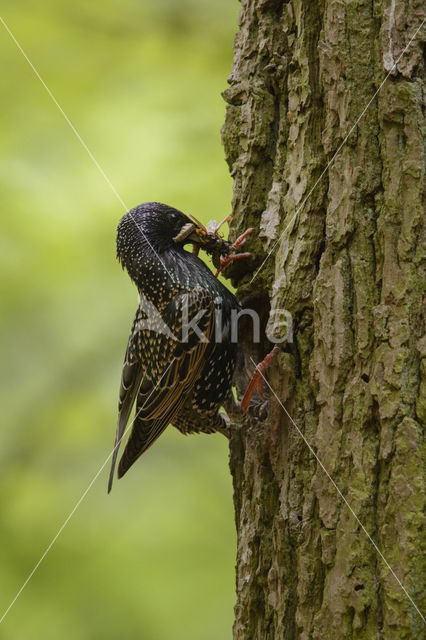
(173,378)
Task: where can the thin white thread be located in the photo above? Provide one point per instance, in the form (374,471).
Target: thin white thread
(83,144)
(341,495)
(70,515)
(335,154)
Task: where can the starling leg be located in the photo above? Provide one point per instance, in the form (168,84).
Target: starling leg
(225,260)
(225,430)
(257,382)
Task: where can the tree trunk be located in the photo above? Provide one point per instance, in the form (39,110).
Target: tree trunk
(305,91)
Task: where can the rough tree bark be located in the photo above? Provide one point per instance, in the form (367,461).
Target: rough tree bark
(348,269)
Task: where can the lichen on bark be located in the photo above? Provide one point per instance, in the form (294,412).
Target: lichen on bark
(342,208)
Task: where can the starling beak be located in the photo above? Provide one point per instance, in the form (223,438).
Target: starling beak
(179,360)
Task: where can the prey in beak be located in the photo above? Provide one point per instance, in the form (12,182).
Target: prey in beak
(222,251)
(191,233)
(198,235)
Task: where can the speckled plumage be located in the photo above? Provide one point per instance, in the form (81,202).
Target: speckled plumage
(173,380)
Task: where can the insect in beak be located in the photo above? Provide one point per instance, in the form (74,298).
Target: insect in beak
(194,232)
(184,232)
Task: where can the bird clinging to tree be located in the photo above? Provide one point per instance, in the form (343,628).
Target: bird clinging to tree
(180,357)
(179,360)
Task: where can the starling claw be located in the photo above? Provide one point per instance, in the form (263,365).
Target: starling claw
(257,383)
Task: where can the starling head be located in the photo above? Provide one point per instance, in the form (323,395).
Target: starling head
(151,230)
(155,227)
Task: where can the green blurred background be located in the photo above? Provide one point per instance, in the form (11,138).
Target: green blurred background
(141,81)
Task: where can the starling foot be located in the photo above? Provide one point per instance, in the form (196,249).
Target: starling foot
(257,383)
(225,430)
(259,409)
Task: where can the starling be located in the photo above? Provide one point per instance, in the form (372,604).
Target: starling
(180,359)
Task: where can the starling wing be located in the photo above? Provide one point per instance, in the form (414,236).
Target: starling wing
(131,379)
(161,368)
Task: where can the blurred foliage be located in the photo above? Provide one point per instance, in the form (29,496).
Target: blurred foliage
(141,82)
